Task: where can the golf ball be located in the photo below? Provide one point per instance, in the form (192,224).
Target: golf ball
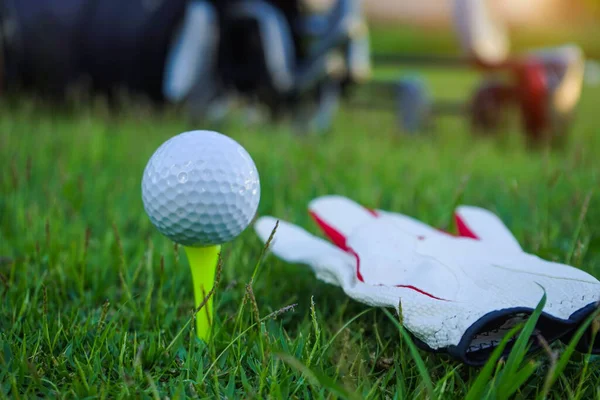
(201,188)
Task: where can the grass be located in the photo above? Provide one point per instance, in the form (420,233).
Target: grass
(95,303)
(417,40)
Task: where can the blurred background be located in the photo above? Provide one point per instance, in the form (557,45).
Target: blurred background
(518,14)
(532,23)
(303,60)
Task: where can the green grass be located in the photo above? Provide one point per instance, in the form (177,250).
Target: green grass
(95,303)
(406,39)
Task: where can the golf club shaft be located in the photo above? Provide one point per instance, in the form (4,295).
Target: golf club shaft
(203,264)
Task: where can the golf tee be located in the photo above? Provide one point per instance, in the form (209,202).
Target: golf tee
(203,264)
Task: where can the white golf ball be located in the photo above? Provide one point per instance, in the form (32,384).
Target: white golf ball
(201,188)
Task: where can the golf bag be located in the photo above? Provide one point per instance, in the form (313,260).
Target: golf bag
(50,45)
(187,50)
(293,62)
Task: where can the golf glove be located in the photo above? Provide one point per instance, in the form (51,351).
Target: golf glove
(458,294)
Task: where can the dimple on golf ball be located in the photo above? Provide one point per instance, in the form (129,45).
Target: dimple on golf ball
(201,188)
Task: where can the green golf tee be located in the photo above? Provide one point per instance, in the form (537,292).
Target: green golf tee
(203,263)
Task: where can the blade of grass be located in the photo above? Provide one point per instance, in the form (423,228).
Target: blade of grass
(414,352)
(510,372)
(482,381)
(316,378)
(566,355)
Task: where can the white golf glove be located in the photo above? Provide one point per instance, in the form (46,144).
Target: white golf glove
(458,294)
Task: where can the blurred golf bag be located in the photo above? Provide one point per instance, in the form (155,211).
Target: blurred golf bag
(194,52)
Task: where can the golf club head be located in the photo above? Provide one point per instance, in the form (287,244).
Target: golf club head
(265,27)
(359,49)
(488,108)
(287,73)
(344,28)
(191,61)
(534,96)
(565,68)
(414,104)
(550,82)
(482,35)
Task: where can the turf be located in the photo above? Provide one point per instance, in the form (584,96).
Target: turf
(95,303)
(390,38)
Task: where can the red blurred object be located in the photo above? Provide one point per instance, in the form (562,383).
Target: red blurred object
(544,85)
(533,96)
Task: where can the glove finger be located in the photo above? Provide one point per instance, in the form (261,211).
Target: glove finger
(410,225)
(478,223)
(295,245)
(338,217)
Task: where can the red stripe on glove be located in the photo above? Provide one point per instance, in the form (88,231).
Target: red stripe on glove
(340,241)
(336,237)
(463,229)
